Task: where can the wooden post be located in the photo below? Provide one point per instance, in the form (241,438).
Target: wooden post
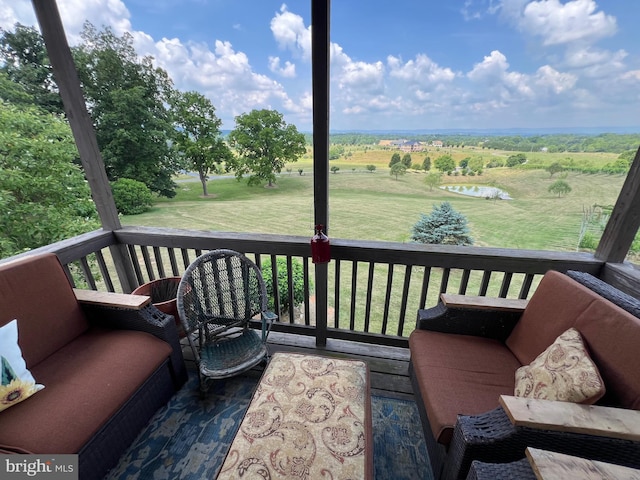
(623,225)
(320,53)
(75,108)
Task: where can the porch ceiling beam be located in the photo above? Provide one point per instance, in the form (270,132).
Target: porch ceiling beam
(624,222)
(75,108)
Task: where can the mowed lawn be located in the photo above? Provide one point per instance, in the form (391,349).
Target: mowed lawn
(376,206)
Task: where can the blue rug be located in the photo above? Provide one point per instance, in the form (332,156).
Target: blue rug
(188,438)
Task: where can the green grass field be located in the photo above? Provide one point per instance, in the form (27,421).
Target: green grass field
(376,206)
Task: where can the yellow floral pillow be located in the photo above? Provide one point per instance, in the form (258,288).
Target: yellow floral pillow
(16,381)
(564,372)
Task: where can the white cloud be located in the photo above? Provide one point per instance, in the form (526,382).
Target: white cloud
(289,31)
(421,71)
(558,23)
(288,71)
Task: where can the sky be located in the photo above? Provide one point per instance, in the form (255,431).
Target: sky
(395,65)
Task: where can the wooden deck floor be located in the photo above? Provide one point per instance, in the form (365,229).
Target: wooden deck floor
(388,366)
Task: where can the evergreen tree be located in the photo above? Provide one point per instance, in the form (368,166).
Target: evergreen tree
(443,226)
(406,160)
(395,158)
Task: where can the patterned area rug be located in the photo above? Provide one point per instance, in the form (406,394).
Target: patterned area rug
(189,437)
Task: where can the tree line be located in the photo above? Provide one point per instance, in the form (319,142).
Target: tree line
(553,143)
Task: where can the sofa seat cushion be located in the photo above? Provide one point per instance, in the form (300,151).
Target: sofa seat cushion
(87,381)
(459,374)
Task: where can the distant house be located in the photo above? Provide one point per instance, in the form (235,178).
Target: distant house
(391,143)
(437,143)
(412,146)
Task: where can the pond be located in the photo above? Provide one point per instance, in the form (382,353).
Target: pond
(478,191)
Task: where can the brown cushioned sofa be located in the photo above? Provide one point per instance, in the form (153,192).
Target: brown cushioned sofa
(105,368)
(463,358)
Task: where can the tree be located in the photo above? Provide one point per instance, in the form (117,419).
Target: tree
(264,143)
(433,180)
(335,151)
(198,138)
(406,160)
(445,163)
(25,62)
(398,169)
(426,163)
(464,163)
(371,168)
(126,97)
(443,226)
(554,168)
(517,159)
(560,187)
(395,158)
(335,169)
(476,164)
(44,197)
(13,92)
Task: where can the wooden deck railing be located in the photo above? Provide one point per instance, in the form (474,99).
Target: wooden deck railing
(374,289)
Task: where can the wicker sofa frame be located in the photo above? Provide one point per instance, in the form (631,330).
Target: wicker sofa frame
(29,293)
(104,449)
(491,437)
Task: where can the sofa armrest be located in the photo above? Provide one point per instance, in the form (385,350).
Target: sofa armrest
(492,437)
(572,417)
(134,312)
(111,299)
(470,315)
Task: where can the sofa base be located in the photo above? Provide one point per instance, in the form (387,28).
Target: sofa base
(105,448)
(437,452)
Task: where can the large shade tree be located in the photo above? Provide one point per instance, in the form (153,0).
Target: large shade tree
(44,197)
(264,143)
(198,138)
(127,98)
(24,60)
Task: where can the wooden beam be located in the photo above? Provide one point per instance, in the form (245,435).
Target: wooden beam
(320,58)
(75,108)
(625,219)
(66,77)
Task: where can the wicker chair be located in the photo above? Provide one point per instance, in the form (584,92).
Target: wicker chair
(218,296)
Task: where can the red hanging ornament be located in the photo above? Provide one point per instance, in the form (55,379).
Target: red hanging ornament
(320,252)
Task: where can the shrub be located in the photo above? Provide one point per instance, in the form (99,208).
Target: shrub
(297,273)
(131,196)
(588,241)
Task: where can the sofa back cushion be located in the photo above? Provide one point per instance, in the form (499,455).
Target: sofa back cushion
(35,291)
(553,308)
(612,337)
